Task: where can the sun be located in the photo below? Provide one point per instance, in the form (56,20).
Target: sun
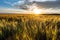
(37,11)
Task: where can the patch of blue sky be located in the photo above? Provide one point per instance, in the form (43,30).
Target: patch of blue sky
(7,3)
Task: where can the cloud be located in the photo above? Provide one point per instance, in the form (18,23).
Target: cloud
(14,3)
(20,11)
(21,2)
(41,0)
(18,3)
(11,10)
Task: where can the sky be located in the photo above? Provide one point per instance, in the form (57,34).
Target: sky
(10,3)
(50,4)
(7,3)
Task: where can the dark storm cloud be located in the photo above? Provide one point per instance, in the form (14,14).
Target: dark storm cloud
(49,4)
(40,3)
(57,0)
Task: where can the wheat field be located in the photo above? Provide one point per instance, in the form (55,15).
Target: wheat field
(29,27)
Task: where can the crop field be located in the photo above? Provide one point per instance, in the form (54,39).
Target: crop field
(29,27)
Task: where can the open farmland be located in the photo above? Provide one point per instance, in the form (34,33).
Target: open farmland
(29,27)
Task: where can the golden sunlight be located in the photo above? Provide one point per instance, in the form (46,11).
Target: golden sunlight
(37,11)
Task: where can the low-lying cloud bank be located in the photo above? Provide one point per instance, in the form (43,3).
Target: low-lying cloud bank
(20,11)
